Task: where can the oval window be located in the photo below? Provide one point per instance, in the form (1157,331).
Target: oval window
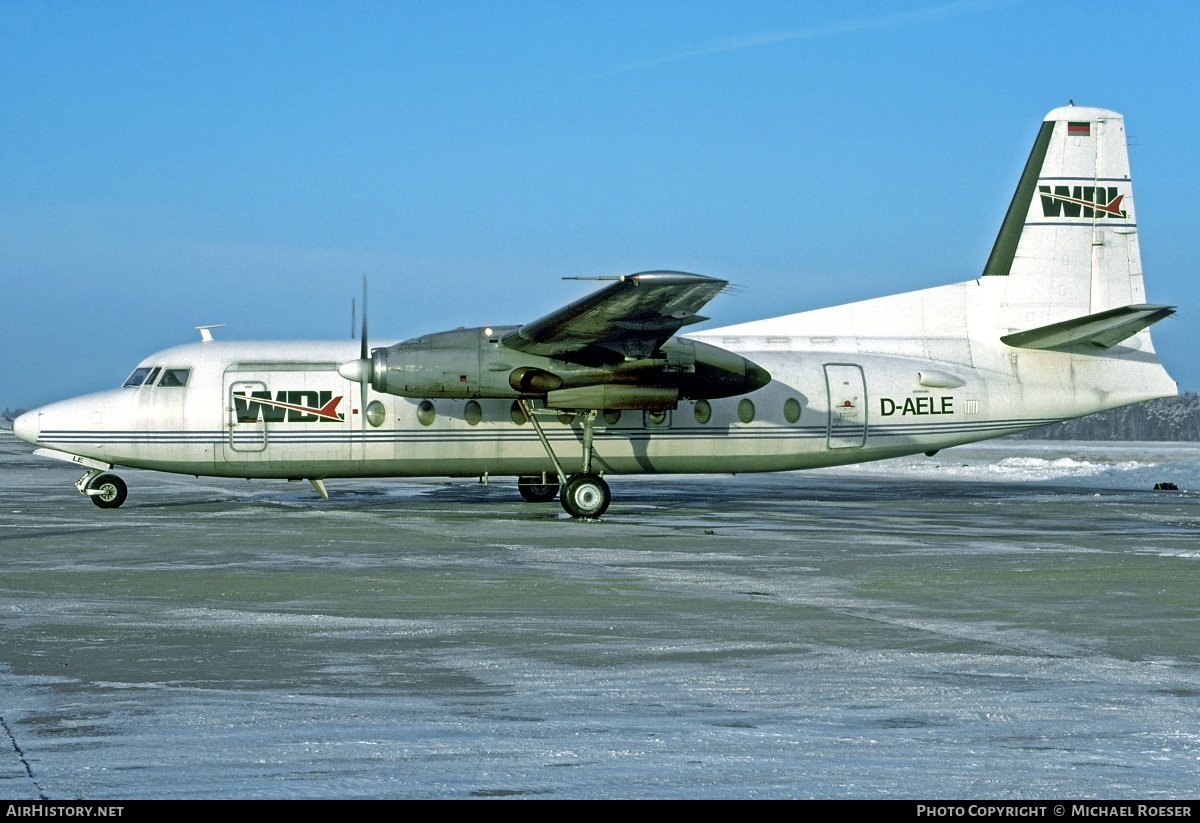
(612,416)
(473,413)
(703,411)
(426,413)
(791,410)
(517,415)
(376,413)
(746,410)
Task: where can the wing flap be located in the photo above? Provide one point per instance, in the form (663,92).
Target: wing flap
(1102,330)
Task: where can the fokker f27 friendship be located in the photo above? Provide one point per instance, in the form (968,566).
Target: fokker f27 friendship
(1055,327)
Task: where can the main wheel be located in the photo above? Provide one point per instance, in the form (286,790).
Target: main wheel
(534,490)
(586,495)
(112,491)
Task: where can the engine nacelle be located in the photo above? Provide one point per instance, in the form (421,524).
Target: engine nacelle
(445,364)
(474,363)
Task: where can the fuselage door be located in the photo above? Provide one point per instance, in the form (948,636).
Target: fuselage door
(245,420)
(847,392)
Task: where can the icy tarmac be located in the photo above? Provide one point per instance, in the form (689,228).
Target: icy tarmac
(1012,620)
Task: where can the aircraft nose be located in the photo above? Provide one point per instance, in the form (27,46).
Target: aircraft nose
(26,426)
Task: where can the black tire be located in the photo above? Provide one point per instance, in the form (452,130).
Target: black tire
(534,490)
(586,495)
(113,491)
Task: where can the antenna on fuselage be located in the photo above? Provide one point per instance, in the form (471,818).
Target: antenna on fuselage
(206,332)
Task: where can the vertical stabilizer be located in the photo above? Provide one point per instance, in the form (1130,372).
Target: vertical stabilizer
(1068,244)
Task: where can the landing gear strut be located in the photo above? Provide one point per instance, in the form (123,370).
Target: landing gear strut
(584,494)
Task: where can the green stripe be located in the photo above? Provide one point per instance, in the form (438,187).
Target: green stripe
(1000,260)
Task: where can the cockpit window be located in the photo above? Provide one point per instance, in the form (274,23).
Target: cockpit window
(139,376)
(174,378)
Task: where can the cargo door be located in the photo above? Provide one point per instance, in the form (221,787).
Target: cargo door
(847,391)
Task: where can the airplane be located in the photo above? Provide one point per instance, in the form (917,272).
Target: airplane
(1056,326)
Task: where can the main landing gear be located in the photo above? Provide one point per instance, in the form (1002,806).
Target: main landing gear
(106,490)
(584,494)
(538,488)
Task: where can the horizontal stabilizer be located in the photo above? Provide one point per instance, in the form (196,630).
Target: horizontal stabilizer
(1102,330)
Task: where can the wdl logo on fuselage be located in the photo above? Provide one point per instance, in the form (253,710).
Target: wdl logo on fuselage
(303,406)
(1081,201)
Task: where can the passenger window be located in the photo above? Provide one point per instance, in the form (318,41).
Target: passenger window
(174,378)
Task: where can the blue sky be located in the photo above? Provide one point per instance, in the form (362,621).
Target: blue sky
(170,164)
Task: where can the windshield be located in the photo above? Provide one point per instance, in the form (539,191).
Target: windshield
(138,377)
(174,378)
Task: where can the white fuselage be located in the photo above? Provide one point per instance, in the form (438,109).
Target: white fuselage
(843,390)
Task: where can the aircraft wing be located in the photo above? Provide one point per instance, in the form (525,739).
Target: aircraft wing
(633,316)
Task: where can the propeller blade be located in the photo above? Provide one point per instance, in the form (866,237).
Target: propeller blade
(364,352)
(361,370)
(364,358)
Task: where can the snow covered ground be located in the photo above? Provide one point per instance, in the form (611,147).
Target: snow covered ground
(1011,619)
(1129,466)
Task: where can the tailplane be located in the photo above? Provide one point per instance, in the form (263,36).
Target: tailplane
(1102,330)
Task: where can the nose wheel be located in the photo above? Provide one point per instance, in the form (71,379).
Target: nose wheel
(107,491)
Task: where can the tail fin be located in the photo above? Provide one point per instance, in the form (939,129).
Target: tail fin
(1069,243)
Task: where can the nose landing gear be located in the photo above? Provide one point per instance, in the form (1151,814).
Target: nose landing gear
(105,490)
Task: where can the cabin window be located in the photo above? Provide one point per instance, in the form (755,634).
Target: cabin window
(612,416)
(791,410)
(703,412)
(517,415)
(746,410)
(473,413)
(376,413)
(174,378)
(426,413)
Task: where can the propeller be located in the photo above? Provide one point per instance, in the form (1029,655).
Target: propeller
(362,370)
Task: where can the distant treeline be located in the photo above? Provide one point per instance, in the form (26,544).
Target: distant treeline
(1171,419)
(12,414)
